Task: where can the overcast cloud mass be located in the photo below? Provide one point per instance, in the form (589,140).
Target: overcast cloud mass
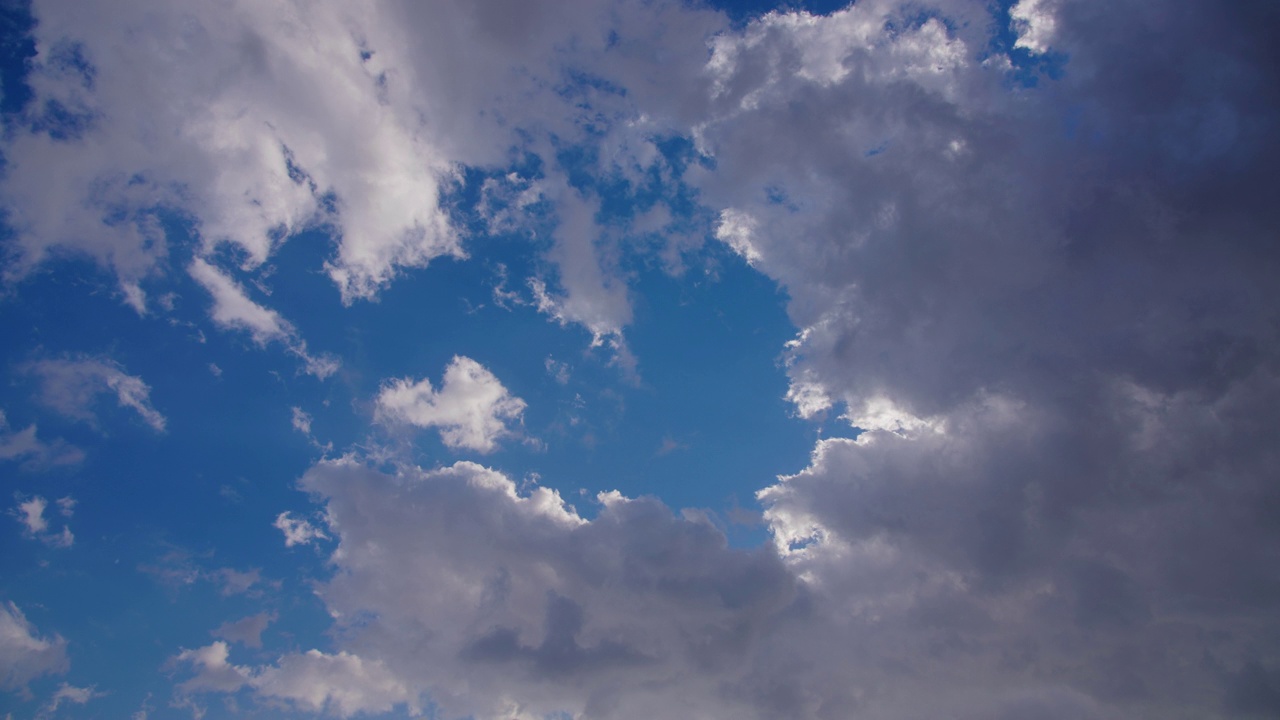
(633,359)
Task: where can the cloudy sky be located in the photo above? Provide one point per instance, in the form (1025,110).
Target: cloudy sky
(633,359)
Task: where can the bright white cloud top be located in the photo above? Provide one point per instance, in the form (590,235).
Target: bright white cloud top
(888,359)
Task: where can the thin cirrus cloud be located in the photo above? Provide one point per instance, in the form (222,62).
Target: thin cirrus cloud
(1027,252)
(71,387)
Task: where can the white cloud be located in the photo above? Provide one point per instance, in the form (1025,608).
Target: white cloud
(1050,307)
(472,409)
(297,531)
(257,120)
(247,631)
(30,514)
(1035,23)
(24,655)
(340,684)
(72,386)
(70,694)
(301,421)
(25,446)
(457,588)
(232,309)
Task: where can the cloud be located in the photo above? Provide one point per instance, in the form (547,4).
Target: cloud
(1036,288)
(70,694)
(177,569)
(260,123)
(246,631)
(471,409)
(71,387)
(257,122)
(30,514)
(496,604)
(233,310)
(34,452)
(24,655)
(297,531)
(301,421)
(341,684)
(531,609)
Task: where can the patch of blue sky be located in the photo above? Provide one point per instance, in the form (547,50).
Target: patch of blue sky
(1026,67)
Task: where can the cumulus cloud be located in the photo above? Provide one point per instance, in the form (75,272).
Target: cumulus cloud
(340,684)
(30,514)
(1045,312)
(297,531)
(531,609)
(497,604)
(471,409)
(259,122)
(24,654)
(71,386)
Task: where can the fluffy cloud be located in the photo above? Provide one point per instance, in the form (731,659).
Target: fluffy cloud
(24,654)
(259,121)
(72,386)
(1046,309)
(297,531)
(340,684)
(471,409)
(460,590)
(30,514)
(509,605)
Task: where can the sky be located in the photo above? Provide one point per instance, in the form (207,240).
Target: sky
(631,359)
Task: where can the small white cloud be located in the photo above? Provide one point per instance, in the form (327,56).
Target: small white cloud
(71,694)
(67,506)
(1036,23)
(247,631)
(235,582)
(297,531)
(340,684)
(233,310)
(557,370)
(24,445)
(24,655)
(213,671)
(471,409)
(736,229)
(30,514)
(71,386)
(301,421)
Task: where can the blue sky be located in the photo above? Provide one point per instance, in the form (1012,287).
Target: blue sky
(623,359)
